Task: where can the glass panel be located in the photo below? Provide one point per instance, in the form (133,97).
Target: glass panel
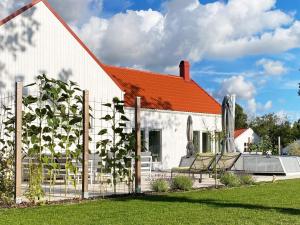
(196,140)
(206,143)
(155,145)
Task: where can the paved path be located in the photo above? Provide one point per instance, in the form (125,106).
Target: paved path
(97,190)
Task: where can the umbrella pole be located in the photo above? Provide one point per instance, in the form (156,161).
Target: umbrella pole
(216,170)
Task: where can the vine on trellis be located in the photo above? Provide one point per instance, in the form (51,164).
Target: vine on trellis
(7,156)
(115,147)
(52,130)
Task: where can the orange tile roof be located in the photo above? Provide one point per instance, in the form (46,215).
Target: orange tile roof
(159,91)
(239,132)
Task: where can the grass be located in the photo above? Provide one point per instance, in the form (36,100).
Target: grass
(268,203)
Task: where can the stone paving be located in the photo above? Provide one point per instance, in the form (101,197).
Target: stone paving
(97,190)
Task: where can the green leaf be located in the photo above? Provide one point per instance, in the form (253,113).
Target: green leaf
(107,105)
(107,118)
(102,132)
(29,85)
(75,121)
(124,118)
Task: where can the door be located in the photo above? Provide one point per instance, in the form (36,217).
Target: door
(155,145)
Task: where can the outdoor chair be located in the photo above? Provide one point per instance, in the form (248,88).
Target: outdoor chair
(146,164)
(200,164)
(225,162)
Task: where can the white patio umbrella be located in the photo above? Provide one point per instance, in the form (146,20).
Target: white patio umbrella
(228,111)
(189,133)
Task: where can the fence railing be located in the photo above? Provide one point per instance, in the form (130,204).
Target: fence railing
(89,175)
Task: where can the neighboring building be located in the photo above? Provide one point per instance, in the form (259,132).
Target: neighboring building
(35,40)
(243,138)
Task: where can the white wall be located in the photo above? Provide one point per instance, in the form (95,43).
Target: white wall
(173,125)
(247,136)
(36,42)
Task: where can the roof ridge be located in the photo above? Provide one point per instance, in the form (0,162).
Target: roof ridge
(19,11)
(242,130)
(143,71)
(64,24)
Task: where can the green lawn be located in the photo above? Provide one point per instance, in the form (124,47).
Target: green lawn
(262,204)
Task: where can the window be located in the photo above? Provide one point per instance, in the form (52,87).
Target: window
(196,140)
(246,147)
(206,143)
(155,144)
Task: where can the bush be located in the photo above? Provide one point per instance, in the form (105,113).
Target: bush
(182,183)
(294,149)
(247,180)
(160,185)
(230,180)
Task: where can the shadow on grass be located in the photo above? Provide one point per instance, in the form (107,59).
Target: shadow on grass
(213,203)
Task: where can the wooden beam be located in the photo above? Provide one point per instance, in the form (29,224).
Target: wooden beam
(138,145)
(18,142)
(85,153)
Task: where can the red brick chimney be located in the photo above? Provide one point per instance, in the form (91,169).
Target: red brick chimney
(184,67)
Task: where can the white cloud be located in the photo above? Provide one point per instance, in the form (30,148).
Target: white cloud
(73,11)
(237,85)
(183,29)
(268,105)
(290,115)
(77,11)
(244,90)
(272,67)
(254,107)
(290,85)
(5,7)
(191,30)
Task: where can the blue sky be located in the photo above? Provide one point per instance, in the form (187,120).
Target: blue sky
(245,47)
(280,90)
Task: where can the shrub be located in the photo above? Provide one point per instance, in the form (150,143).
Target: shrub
(247,180)
(230,180)
(294,149)
(182,183)
(160,185)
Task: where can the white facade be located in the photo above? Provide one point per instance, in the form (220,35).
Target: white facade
(243,140)
(172,125)
(36,42)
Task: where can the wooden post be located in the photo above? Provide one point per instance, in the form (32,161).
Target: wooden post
(138,145)
(18,142)
(279,146)
(85,153)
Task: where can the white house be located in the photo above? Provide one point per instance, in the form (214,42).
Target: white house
(36,40)
(244,137)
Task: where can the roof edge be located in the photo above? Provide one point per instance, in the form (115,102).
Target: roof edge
(207,93)
(243,131)
(67,27)
(19,11)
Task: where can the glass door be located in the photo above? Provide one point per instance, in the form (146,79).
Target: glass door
(155,145)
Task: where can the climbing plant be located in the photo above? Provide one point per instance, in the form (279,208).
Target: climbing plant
(115,147)
(6,156)
(52,129)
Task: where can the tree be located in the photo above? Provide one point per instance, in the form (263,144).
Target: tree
(294,149)
(240,117)
(296,130)
(272,126)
